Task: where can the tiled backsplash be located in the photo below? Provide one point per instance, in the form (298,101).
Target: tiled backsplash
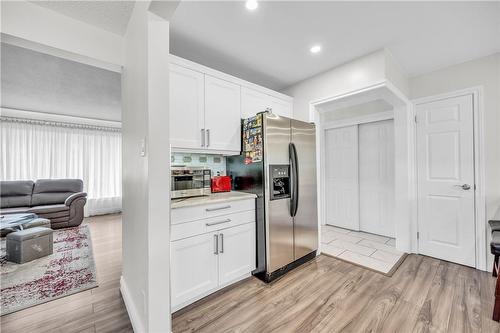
(217,163)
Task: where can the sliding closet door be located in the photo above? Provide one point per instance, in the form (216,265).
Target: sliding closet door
(341,173)
(376,177)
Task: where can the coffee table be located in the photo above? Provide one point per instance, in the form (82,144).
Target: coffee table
(16,221)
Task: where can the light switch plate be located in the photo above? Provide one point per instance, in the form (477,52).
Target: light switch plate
(143,147)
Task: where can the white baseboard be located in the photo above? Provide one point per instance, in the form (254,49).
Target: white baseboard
(133,314)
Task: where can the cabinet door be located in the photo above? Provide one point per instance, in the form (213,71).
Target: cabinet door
(236,252)
(187,114)
(222,114)
(281,107)
(253,102)
(193,268)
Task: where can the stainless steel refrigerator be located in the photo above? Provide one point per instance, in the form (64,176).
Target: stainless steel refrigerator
(278,164)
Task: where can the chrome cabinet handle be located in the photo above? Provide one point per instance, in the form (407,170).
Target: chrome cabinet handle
(221,236)
(218,222)
(203,137)
(465,187)
(208,137)
(216,245)
(217,208)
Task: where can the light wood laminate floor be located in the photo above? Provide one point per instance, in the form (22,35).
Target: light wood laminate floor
(329,295)
(97,310)
(325,295)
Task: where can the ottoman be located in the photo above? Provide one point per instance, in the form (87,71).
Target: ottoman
(29,244)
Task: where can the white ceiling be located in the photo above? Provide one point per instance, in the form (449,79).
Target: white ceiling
(35,81)
(112,16)
(271,45)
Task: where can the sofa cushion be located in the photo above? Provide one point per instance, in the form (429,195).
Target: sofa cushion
(48,209)
(54,191)
(15,193)
(14,210)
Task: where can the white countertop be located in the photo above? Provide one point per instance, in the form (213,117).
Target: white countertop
(210,199)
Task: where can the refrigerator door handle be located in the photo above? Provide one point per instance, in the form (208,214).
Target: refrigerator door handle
(294,179)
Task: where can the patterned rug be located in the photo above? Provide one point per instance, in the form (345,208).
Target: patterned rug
(69,270)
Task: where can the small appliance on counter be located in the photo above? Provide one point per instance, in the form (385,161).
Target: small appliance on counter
(221,184)
(189,181)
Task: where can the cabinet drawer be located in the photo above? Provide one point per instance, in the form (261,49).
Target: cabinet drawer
(189,229)
(193,213)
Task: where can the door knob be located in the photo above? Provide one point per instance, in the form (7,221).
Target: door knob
(464,187)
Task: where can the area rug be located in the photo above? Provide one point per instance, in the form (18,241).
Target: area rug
(69,270)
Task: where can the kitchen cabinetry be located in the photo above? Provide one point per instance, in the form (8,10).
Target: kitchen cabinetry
(204,112)
(253,102)
(237,252)
(222,115)
(187,107)
(210,253)
(206,108)
(193,267)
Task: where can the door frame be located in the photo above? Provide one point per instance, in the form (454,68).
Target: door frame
(479,168)
(404,154)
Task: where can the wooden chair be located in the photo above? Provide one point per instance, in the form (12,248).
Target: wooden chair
(495,250)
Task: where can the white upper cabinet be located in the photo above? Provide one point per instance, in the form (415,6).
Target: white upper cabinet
(253,102)
(222,115)
(187,108)
(281,107)
(206,108)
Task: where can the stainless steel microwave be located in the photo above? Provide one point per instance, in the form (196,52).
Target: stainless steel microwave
(190,181)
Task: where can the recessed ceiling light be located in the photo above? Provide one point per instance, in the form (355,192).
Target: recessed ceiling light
(251,4)
(315,49)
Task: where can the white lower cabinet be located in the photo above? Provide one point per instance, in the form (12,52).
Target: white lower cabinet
(236,253)
(203,263)
(194,267)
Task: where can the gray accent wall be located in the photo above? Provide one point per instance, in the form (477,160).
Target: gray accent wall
(35,81)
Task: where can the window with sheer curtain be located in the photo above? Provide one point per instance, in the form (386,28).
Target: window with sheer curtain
(32,149)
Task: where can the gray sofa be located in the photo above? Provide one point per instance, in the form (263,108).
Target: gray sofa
(59,200)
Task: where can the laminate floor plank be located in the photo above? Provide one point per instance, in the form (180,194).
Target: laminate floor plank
(323,295)
(435,312)
(330,295)
(96,310)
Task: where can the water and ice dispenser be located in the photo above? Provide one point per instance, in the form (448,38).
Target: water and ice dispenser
(279,182)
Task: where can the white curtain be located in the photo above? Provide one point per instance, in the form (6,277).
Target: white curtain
(32,149)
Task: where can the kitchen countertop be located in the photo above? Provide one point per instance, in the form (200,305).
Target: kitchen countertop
(210,199)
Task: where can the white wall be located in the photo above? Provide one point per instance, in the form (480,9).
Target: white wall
(34,23)
(357,74)
(480,72)
(135,169)
(158,174)
(395,74)
(358,110)
(146,183)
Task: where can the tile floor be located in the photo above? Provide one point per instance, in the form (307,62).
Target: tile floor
(362,248)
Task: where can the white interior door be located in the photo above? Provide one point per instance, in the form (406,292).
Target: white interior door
(445,157)
(341,171)
(376,177)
